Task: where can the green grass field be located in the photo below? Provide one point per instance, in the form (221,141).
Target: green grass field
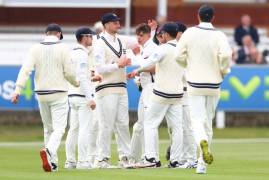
(238,159)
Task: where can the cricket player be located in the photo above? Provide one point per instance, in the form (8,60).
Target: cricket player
(112,99)
(165,99)
(51,61)
(82,104)
(188,156)
(146,79)
(205,52)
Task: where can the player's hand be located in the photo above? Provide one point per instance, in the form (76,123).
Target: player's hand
(153,24)
(123,61)
(132,74)
(15,98)
(136,49)
(91,104)
(97,78)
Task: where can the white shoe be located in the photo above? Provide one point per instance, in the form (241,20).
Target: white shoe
(187,165)
(124,162)
(132,161)
(146,163)
(70,165)
(201,168)
(84,165)
(103,164)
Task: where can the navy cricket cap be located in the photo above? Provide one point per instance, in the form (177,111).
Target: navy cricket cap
(54,27)
(109,17)
(84,31)
(181,27)
(206,11)
(170,28)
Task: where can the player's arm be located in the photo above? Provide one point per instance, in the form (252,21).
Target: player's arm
(224,55)
(69,72)
(83,77)
(155,57)
(23,76)
(181,51)
(101,66)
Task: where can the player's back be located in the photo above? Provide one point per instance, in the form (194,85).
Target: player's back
(50,59)
(203,45)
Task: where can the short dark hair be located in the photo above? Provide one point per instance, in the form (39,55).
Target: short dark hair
(181,27)
(206,13)
(171,28)
(142,28)
(82,31)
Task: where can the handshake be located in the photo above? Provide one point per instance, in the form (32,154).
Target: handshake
(124,61)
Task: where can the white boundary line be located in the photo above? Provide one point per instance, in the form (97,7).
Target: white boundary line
(215,141)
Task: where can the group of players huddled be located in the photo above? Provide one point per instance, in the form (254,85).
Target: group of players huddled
(178,70)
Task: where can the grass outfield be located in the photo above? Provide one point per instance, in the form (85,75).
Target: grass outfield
(235,160)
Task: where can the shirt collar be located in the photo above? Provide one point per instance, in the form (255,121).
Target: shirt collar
(82,47)
(206,25)
(109,37)
(173,41)
(51,39)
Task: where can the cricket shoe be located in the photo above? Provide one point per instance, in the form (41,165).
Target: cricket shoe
(132,160)
(207,156)
(104,164)
(174,164)
(201,168)
(123,162)
(191,165)
(185,165)
(70,165)
(84,165)
(146,163)
(47,165)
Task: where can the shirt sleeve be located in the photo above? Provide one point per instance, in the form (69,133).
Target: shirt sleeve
(224,55)
(69,72)
(25,71)
(83,75)
(181,51)
(155,57)
(99,60)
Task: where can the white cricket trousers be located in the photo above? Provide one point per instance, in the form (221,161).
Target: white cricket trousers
(79,131)
(54,117)
(202,112)
(93,138)
(113,116)
(154,117)
(137,141)
(189,152)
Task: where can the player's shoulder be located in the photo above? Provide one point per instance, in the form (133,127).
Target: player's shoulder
(221,33)
(190,29)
